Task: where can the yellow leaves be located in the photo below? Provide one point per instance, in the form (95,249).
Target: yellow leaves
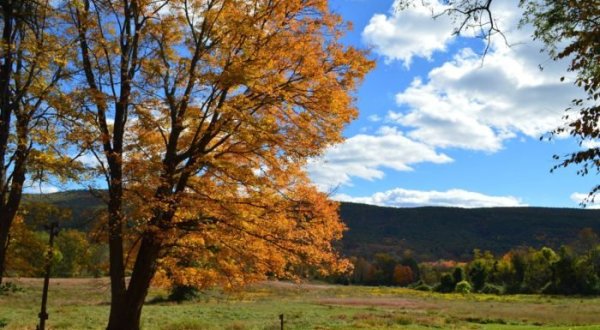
(25,250)
(44,163)
(228,103)
(253,237)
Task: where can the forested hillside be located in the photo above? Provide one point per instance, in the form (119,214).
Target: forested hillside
(431,233)
(434,233)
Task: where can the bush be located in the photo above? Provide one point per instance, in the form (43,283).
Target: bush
(478,273)
(183,293)
(447,283)
(463,287)
(489,288)
(421,286)
(459,274)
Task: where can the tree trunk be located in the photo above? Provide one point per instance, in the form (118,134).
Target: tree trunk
(5,223)
(8,211)
(128,317)
(115,245)
(7,215)
(5,118)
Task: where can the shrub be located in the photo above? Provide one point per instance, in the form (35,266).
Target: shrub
(403,275)
(478,273)
(459,274)
(492,289)
(183,293)
(446,283)
(463,287)
(421,286)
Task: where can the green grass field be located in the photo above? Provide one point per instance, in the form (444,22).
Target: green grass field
(83,304)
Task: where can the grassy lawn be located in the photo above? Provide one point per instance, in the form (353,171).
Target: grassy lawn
(83,304)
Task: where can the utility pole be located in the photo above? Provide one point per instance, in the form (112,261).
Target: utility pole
(53,229)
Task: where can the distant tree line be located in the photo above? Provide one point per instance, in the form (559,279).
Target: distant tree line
(384,269)
(572,269)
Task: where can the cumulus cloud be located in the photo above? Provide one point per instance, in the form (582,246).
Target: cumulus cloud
(404,34)
(413,198)
(474,103)
(581,198)
(466,105)
(364,156)
(374,118)
(420,30)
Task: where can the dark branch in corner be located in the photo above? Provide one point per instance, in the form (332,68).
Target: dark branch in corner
(468,15)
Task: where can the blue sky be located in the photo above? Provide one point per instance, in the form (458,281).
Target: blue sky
(439,126)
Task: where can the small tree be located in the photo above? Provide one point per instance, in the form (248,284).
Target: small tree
(459,274)
(408,260)
(403,275)
(361,271)
(566,278)
(26,250)
(75,249)
(463,287)
(385,265)
(479,269)
(446,284)
(538,273)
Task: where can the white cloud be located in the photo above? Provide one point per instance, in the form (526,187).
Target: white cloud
(469,102)
(413,198)
(405,34)
(581,198)
(374,118)
(476,104)
(364,156)
(466,105)
(590,144)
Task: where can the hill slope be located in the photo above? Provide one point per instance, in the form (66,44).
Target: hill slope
(84,206)
(430,232)
(443,232)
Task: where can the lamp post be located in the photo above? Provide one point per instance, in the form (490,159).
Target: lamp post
(53,229)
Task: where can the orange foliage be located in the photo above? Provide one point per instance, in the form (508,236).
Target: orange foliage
(403,275)
(228,102)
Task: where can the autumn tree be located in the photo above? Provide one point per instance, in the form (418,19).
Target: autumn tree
(539,272)
(25,248)
(33,62)
(362,271)
(570,30)
(75,250)
(403,275)
(202,114)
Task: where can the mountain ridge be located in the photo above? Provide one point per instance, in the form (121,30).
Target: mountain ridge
(430,232)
